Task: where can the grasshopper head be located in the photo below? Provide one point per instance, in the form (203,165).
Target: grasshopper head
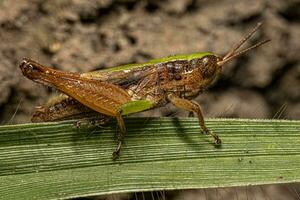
(209,67)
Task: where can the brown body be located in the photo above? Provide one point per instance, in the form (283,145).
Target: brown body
(183,78)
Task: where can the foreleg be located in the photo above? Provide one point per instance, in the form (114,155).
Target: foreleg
(193,107)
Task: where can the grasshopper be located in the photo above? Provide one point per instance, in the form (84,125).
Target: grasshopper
(132,88)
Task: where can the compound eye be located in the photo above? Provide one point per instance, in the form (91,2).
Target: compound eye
(208,68)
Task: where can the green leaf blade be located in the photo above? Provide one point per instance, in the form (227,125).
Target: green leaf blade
(57,160)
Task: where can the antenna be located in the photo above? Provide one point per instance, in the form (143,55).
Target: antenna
(233,54)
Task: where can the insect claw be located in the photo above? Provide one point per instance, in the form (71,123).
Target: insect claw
(218,141)
(116,153)
(77,124)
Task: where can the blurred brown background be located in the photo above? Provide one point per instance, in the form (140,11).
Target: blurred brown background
(81,36)
(77,35)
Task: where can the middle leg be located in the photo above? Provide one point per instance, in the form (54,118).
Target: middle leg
(121,135)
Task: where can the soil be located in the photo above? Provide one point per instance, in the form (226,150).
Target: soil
(81,36)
